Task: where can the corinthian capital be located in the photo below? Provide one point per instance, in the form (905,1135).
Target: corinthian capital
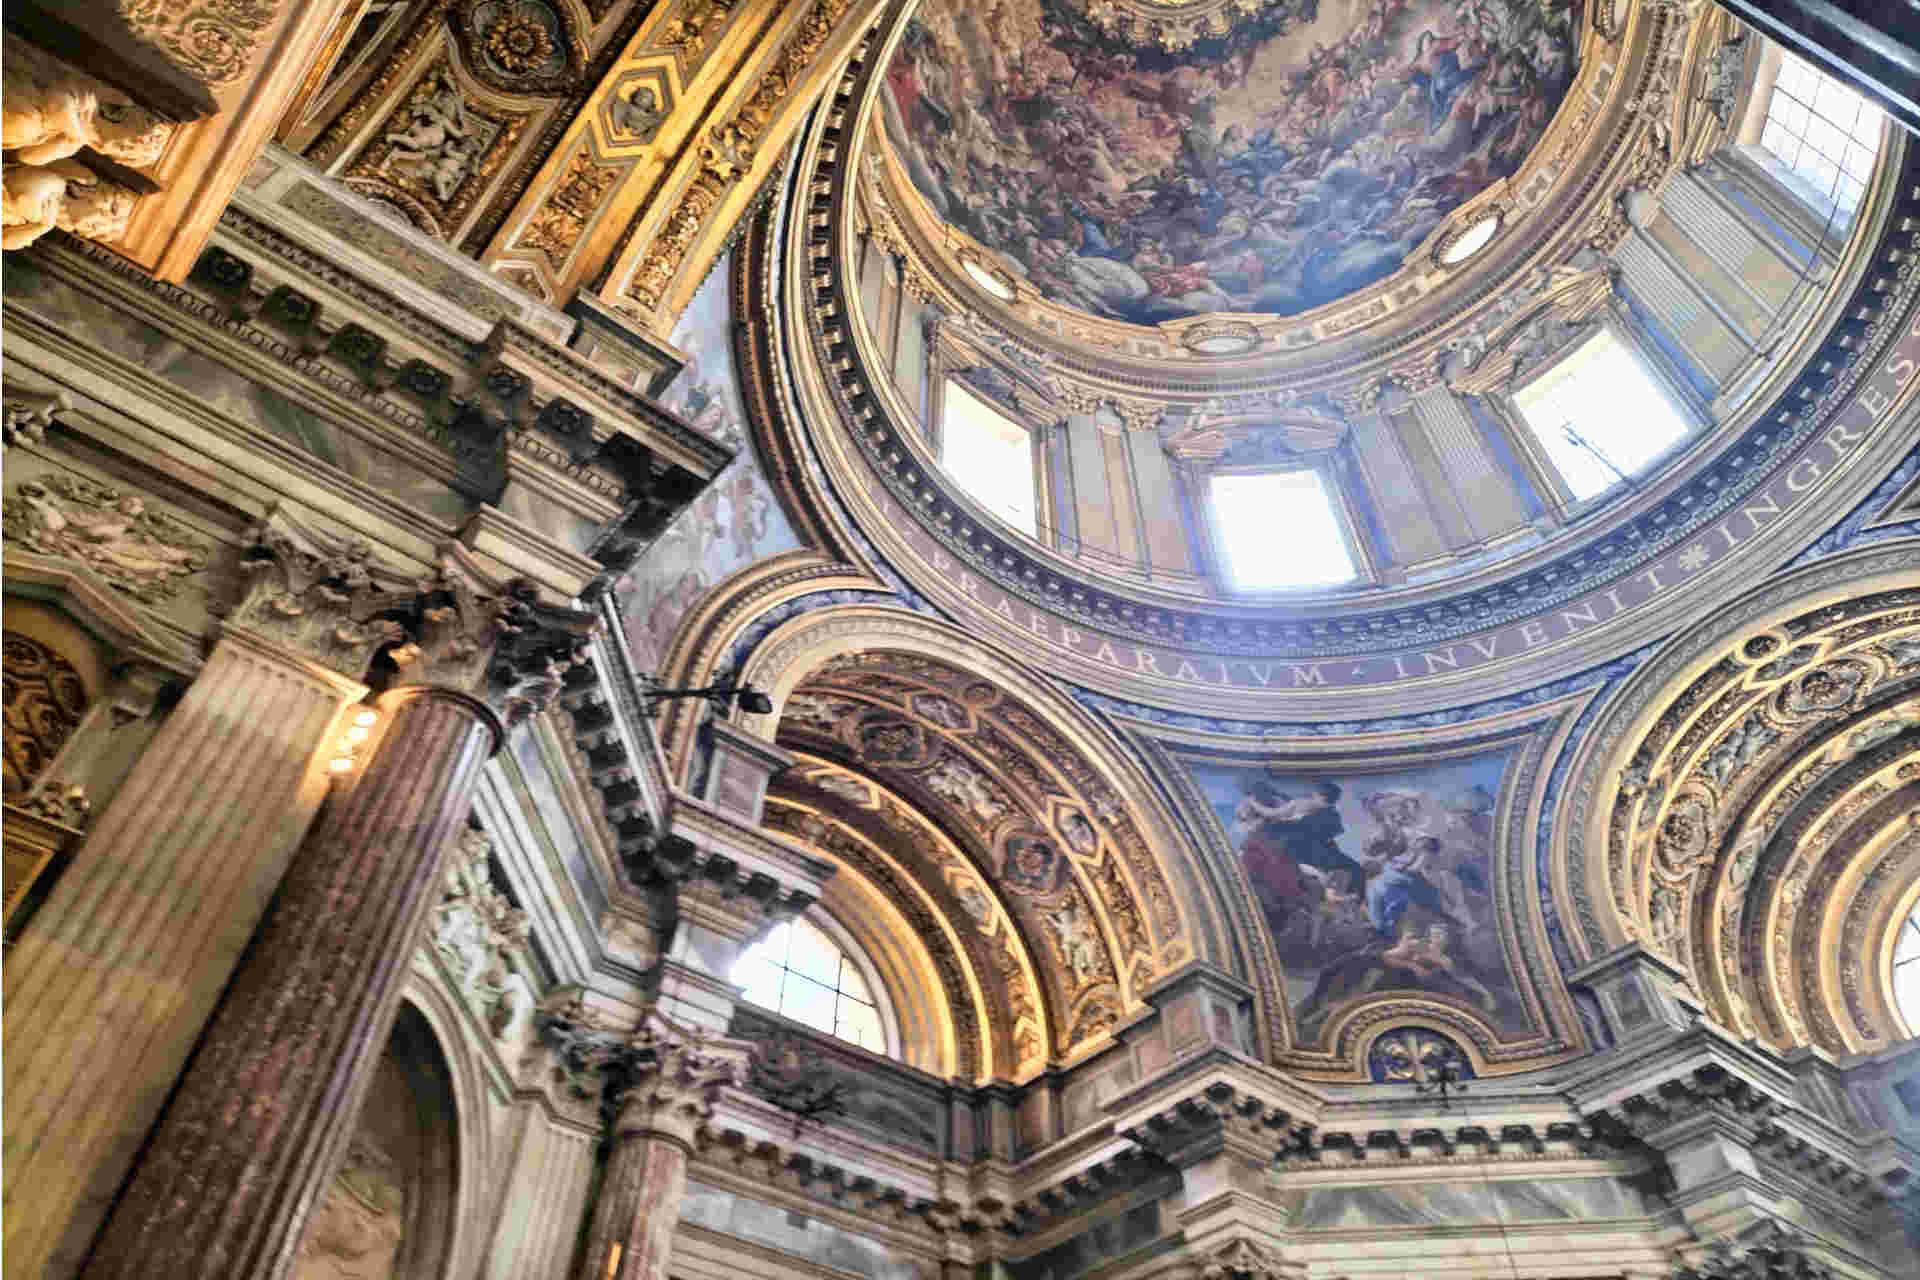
(664,1081)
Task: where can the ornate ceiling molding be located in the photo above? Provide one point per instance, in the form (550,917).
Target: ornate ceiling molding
(1056,843)
(1065,748)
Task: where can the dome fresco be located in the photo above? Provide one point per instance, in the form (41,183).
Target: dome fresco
(1296,159)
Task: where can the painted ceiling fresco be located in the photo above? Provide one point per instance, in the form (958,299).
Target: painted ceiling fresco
(1287,164)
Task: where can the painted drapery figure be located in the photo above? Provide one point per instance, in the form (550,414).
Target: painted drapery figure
(1373,883)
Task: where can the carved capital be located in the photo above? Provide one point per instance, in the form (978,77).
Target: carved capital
(324,598)
(663,1082)
(1769,1251)
(327,599)
(1243,1259)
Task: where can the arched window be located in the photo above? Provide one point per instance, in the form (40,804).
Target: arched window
(1906,971)
(799,972)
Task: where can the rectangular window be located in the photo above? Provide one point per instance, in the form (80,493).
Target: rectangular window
(1279,529)
(990,456)
(1600,415)
(1824,133)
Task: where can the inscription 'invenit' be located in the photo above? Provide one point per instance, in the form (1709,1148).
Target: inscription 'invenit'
(1790,483)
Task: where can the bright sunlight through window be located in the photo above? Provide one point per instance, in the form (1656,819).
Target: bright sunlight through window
(1906,971)
(990,456)
(801,973)
(1278,529)
(1600,415)
(1824,132)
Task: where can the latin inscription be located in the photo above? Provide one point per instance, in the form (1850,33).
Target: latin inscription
(1789,484)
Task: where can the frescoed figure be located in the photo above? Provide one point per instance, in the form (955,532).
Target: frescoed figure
(1373,883)
(735,521)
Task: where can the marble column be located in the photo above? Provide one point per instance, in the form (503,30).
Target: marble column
(662,1083)
(250,1139)
(125,960)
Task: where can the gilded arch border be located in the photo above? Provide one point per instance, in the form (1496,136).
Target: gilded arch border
(1660,778)
(800,646)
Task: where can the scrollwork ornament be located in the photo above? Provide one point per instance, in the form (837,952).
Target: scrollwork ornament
(213,40)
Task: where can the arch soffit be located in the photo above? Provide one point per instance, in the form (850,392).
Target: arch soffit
(1064,854)
(1028,997)
(1736,806)
(447,1020)
(972,1019)
(795,650)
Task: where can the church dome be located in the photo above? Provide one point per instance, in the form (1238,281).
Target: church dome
(1484,310)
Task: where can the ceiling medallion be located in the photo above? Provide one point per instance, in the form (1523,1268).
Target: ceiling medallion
(1220,337)
(1456,246)
(521,37)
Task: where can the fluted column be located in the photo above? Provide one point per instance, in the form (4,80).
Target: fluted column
(663,1082)
(250,1139)
(125,960)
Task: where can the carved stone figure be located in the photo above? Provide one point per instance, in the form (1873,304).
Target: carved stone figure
(1080,834)
(818,711)
(142,552)
(51,110)
(475,928)
(440,142)
(958,782)
(636,117)
(1074,932)
(64,194)
(1739,749)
